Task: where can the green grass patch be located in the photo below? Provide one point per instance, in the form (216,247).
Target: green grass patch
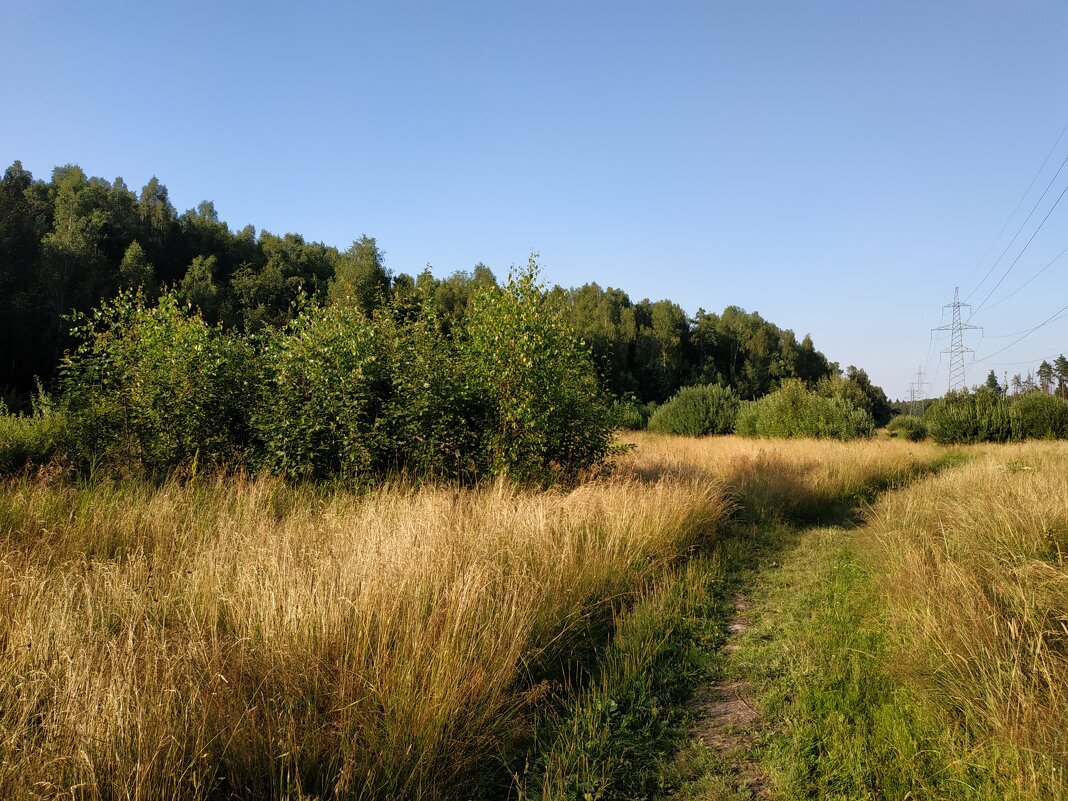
(842,727)
(610,740)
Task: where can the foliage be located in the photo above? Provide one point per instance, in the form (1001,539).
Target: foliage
(696,411)
(319,395)
(631,414)
(33,439)
(793,410)
(1036,415)
(983,415)
(857,388)
(71,242)
(155,387)
(908,426)
(547,413)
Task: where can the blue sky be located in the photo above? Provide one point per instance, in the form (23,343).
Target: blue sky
(837,166)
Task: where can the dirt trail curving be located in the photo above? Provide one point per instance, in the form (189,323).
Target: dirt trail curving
(727,720)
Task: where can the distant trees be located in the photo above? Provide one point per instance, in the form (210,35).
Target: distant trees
(74,241)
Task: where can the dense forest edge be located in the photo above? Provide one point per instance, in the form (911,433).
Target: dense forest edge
(133,336)
(166,339)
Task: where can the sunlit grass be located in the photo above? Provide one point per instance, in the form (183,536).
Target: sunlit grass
(974,570)
(241,637)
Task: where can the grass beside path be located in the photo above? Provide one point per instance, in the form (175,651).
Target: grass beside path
(616,738)
(923,654)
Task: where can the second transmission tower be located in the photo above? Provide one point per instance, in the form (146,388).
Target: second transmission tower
(956,349)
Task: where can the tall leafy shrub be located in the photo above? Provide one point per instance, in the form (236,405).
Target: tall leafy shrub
(1036,415)
(32,439)
(908,426)
(547,414)
(793,410)
(966,416)
(155,387)
(322,383)
(696,411)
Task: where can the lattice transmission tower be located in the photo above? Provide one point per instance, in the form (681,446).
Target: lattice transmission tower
(956,349)
(917,393)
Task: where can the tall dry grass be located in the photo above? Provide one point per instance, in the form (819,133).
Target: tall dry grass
(246,639)
(973,568)
(242,638)
(799,479)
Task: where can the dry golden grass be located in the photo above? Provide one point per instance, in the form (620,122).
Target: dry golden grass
(242,638)
(973,567)
(801,478)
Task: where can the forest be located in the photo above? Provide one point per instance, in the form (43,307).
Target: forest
(68,243)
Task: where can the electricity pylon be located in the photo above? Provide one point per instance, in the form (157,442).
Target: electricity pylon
(956,349)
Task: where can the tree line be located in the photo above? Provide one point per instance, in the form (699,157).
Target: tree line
(71,242)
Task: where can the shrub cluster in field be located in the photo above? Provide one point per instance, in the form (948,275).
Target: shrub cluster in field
(983,415)
(908,426)
(696,411)
(794,410)
(338,393)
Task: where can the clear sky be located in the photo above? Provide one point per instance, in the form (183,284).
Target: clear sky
(838,167)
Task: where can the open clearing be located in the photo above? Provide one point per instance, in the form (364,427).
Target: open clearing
(239,637)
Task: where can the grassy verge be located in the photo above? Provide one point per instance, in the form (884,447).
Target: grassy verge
(244,638)
(615,738)
(840,725)
(923,655)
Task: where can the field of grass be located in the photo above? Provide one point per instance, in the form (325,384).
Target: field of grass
(973,572)
(922,653)
(239,637)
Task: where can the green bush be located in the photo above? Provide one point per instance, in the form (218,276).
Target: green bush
(696,411)
(508,392)
(793,410)
(320,390)
(907,426)
(547,415)
(155,387)
(967,417)
(34,439)
(631,413)
(1036,415)
(343,395)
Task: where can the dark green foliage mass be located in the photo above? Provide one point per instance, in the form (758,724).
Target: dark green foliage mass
(459,376)
(696,411)
(155,387)
(793,410)
(546,409)
(981,415)
(71,242)
(908,426)
(984,415)
(1036,415)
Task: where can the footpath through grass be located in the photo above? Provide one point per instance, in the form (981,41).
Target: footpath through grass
(615,738)
(921,654)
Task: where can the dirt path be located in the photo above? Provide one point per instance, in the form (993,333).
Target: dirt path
(728,723)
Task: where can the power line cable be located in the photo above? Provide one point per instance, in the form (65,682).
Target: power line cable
(1019,203)
(1028,281)
(1052,318)
(1029,241)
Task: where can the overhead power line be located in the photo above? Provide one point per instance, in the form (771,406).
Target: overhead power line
(1018,255)
(1019,203)
(1052,261)
(1026,219)
(1052,318)
(956,349)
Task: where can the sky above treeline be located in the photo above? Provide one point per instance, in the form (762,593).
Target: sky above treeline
(839,167)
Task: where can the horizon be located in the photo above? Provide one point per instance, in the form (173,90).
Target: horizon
(838,170)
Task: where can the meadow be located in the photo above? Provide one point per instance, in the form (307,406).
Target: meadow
(242,637)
